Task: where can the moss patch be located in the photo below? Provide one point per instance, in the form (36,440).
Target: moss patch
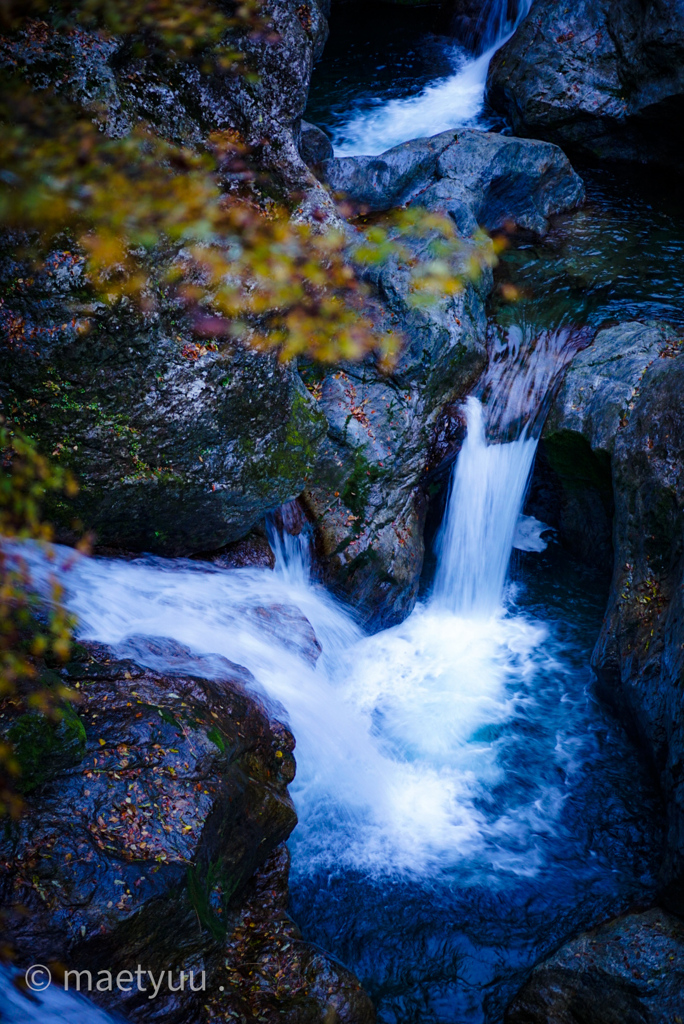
(358,485)
(44,748)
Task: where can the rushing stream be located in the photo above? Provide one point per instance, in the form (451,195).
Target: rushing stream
(405,81)
(464,802)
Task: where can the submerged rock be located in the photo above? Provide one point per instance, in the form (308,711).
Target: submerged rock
(629,971)
(251,552)
(152,848)
(478,178)
(605,76)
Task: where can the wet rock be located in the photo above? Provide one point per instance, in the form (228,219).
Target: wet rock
(186,103)
(573,489)
(144,850)
(599,389)
(252,552)
(639,657)
(478,178)
(615,436)
(178,449)
(629,971)
(268,112)
(314,144)
(604,76)
(286,624)
(299,983)
(366,496)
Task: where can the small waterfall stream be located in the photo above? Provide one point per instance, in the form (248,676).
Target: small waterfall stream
(455,101)
(451,765)
(486,500)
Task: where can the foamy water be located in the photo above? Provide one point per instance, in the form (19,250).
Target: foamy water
(453,102)
(399,735)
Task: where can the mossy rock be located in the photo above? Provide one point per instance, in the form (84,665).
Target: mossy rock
(44,747)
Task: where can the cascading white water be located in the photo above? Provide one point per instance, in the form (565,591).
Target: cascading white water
(454,102)
(496,21)
(398,734)
(477,537)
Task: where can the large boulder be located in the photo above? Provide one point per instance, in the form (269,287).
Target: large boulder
(152,837)
(177,448)
(366,496)
(261,105)
(604,76)
(478,178)
(639,658)
(618,424)
(628,971)
(572,489)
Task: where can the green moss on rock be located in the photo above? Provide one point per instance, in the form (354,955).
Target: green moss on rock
(43,748)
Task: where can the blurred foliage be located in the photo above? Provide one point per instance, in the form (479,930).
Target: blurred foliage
(28,639)
(179,28)
(155,219)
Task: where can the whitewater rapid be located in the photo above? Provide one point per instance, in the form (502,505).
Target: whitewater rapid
(456,101)
(401,735)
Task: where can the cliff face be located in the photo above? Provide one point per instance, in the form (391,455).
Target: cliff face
(639,659)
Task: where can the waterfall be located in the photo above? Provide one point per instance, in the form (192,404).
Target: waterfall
(400,734)
(496,22)
(489,480)
(454,102)
(290,542)
(487,493)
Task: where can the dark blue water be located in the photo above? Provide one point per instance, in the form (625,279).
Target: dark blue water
(376,53)
(456,946)
(619,258)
